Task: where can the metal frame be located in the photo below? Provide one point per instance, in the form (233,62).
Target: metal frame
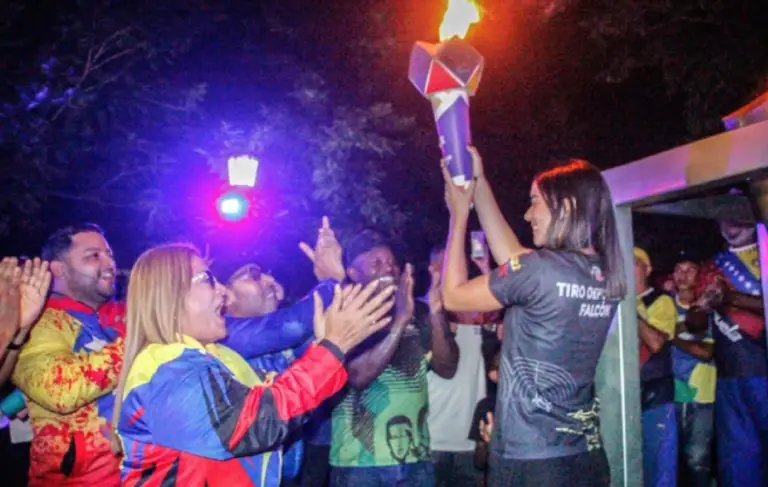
(664,180)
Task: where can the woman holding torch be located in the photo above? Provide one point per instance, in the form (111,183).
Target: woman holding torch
(560,300)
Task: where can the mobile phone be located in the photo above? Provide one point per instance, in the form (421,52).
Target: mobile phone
(477,245)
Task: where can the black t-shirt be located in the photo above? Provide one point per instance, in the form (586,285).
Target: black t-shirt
(555,326)
(484,406)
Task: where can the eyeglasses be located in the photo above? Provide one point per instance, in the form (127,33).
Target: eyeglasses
(205,276)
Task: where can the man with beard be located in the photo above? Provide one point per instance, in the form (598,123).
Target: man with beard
(69,367)
(387,378)
(732,292)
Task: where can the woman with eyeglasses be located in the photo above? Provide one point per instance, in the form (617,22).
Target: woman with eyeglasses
(189,412)
(559,301)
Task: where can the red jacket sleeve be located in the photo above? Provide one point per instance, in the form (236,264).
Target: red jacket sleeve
(208,412)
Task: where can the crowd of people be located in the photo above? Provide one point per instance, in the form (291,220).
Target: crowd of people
(703,367)
(195,381)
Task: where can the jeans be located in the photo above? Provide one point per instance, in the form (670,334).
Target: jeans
(695,428)
(741,428)
(660,446)
(420,474)
(455,469)
(315,470)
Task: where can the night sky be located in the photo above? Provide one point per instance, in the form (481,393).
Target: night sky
(538,75)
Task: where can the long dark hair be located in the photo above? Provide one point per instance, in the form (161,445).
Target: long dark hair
(582,217)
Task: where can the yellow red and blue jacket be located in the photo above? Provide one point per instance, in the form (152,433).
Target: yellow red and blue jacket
(197,415)
(68,370)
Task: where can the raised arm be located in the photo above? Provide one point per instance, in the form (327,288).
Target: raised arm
(501,239)
(657,324)
(458,294)
(56,377)
(219,417)
(445,351)
(285,328)
(10,302)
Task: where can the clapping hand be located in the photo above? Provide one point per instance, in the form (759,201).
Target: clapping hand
(35,282)
(354,314)
(10,300)
(326,256)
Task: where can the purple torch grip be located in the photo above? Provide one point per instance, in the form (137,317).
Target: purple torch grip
(451,111)
(448,74)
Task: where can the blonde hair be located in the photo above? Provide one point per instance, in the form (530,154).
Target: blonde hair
(158,286)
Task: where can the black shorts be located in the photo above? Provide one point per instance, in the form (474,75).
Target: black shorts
(589,469)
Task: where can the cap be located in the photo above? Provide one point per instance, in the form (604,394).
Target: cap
(642,256)
(362,243)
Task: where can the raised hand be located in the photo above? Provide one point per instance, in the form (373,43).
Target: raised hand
(10,300)
(477,163)
(434,297)
(349,321)
(35,282)
(458,200)
(327,254)
(404,301)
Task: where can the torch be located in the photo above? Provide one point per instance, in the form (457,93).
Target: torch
(447,74)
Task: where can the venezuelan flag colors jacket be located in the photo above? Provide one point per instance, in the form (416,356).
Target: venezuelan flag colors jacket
(197,415)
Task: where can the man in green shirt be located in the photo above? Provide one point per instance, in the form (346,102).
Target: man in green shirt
(379,433)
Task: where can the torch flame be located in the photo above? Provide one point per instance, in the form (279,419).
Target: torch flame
(459,15)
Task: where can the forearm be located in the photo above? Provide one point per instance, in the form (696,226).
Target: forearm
(285,328)
(455,266)
(746,302)
(367,365)
(229,418)
(649,336)
(700,350)
(5,339)
(65,381)
(12,356)
(500,237)
(9,362)
(445,351)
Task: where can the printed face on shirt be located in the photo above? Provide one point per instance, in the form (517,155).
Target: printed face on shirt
(254,293)
(203,316)
(88,268)
(379,263)
(738,235)
(400,437)
(538,216)
(685,275)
